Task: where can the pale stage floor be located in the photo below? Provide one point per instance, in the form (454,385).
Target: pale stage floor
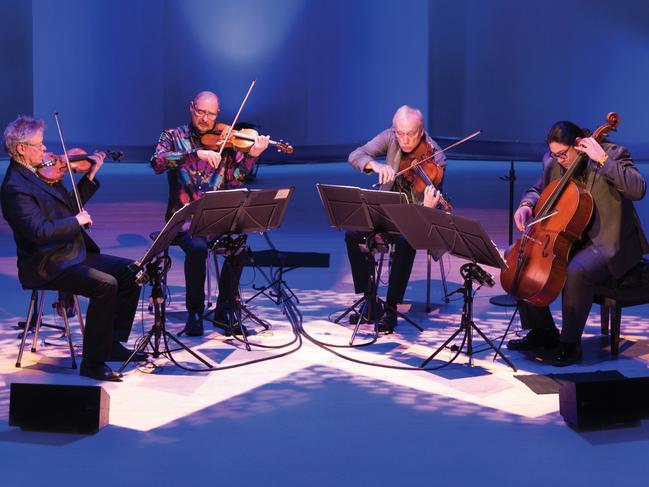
(313,418)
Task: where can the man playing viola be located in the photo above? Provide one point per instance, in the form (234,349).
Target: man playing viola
(611,245)
(393,144)
(54,251)
(191,171)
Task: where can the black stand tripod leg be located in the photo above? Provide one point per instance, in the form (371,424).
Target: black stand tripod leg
(401,315)
(158,329)
(490,343)
(235,317)
(370,300)
(350,309)
(443,346)
(139,348)
(358,321)
(253,316)
(364,306)
(187,349)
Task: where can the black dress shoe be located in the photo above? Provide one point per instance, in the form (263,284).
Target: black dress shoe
(99,371)
(388,321)
(536,338)
(194,325)
(237,329)
(568,354)
(222,320)
(221,317)
(365,316)
(119,353)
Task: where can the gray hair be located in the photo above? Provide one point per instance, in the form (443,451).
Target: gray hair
(21,130)
(406,111)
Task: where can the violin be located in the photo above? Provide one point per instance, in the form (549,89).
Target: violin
(53,168)
(419,168)
(241,140)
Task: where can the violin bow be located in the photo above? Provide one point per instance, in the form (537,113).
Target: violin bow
(236,118)
(67,161)
(426,159)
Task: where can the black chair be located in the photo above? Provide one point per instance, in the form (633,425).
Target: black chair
(632,289)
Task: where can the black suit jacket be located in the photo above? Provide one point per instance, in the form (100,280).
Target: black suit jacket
(42,216)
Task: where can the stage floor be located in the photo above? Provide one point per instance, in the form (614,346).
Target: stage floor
(311,417)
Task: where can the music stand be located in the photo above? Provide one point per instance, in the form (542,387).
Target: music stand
(152,267)
(355,209)
(225,213)
(426,228)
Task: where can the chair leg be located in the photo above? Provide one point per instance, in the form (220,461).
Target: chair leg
(604,313)
(82,326)
(69,335)
(217,271)
(30,310)
(616,319)
(442,273)
(429,259)
(39,319)
(208,275)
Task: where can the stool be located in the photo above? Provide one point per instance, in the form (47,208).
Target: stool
(39,317)
(632,289)
(432,255)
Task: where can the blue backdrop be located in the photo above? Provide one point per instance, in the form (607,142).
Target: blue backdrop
(330,73)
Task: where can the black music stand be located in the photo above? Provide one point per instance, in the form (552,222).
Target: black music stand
(426,228)
(507,299)
(153,267)
(356,209)
(229,215)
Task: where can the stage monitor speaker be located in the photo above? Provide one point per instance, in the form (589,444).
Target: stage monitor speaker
(596,404)
(60,408)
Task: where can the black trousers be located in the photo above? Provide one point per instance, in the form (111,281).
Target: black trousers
(113,293)
(404,257)
(195,249)
(586,268)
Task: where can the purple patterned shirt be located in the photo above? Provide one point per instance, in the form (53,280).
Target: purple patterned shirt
(189,177)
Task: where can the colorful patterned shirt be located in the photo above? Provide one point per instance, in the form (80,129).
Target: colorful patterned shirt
(189,177)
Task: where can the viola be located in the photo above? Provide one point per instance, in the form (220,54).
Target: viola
(538,261)
(424,170)
(241,140)
(54,168)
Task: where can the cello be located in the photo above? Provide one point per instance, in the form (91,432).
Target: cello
(538,261)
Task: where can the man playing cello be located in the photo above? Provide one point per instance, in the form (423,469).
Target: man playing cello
(611,245)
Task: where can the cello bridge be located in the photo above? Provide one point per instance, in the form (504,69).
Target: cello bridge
(532,239)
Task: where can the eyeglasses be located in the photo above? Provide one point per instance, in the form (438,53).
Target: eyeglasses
(407,135)
(40,145)
(561,154)
(204,113)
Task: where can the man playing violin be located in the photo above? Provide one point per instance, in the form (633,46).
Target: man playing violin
(393,144)
(191,171)
(54,251)
(612,244)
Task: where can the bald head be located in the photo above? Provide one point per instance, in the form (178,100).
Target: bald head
(207,97)
(408,115)
(204,110)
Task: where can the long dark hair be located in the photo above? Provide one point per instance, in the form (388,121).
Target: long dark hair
(565,133)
